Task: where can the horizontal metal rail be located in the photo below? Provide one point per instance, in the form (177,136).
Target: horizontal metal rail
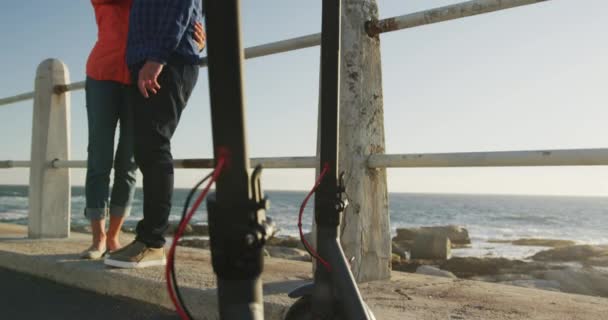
(569,157)
(451,12)
(309,41)
(573,157)
(267,163)
(7,164)
(373,28)
(17,98)
(59,89)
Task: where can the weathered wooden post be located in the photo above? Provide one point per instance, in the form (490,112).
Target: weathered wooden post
(366,226)
(49,192)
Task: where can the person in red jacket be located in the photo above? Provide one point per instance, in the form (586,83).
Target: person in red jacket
(107,103)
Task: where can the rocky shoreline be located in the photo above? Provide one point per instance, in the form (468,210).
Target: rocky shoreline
(563,266)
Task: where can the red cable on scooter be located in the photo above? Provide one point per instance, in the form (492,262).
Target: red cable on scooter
(307,245)
(171,255)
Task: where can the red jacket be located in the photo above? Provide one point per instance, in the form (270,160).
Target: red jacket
(107,60)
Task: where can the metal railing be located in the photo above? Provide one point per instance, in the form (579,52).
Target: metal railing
(373,28)
(528,158)
(49,193)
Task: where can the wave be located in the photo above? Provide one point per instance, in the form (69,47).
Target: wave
(13,216)
(14,199)
(79,199)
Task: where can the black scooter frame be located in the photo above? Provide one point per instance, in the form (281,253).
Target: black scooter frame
(237,219)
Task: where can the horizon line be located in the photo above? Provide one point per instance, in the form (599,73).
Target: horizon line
(402,192)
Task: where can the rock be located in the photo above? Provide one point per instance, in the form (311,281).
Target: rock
(536,242)
(467,267)
(128,229)
(460,246)
(456,234)
(579,253)
(272,226)
(597,261)
(193,230)
(582,281)
(401,248)
(288,242)
(411,266)
(81,229)
(431,246)
(499,241)
(173,228)
(398,264)
(395,262)
(555,243)
(550,285)
(406,233)
(308,237)
(396,257)
(287,253)
(200,230)
(434,271)
(194,243)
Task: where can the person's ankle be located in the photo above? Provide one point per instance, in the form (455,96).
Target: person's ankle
(113,234)
(100,242)
(113,244)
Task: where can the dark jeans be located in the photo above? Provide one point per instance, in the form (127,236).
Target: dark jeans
(107,105)
(156,119)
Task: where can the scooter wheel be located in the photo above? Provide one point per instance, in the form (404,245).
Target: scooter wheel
(300,310)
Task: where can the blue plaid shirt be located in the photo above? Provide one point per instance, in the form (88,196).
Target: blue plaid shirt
(160,29)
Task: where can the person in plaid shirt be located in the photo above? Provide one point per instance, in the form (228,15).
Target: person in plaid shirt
(163,59)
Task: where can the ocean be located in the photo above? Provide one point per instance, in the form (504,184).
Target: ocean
(486,217)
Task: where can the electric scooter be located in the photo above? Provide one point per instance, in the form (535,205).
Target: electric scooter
(334,293)
(237,222)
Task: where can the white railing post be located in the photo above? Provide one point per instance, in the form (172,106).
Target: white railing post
(49,193)
(366,225)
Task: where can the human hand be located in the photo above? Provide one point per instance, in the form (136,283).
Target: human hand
(199,35)
(148,78)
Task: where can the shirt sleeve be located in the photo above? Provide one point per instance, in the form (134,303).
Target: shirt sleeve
(172,27)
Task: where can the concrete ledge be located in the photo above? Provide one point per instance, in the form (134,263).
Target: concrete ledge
(406,296)
(58,260)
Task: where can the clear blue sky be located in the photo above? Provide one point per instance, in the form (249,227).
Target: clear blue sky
(533,77)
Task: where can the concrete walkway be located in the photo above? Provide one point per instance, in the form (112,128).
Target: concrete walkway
(406,296)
